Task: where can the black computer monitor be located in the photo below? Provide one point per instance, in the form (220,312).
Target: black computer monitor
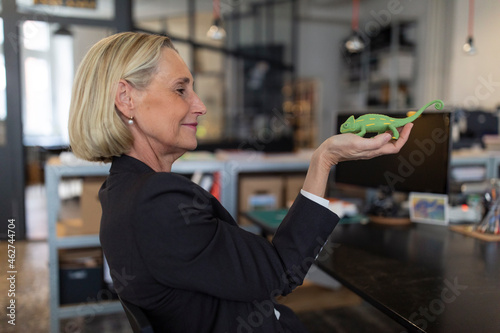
(422,165)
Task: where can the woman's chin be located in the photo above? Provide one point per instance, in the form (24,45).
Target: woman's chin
(191,146)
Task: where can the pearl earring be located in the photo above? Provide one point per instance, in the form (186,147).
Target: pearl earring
(131,120)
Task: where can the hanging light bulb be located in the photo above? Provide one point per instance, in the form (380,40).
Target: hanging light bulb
(216,31)
(354,43)
(469,46)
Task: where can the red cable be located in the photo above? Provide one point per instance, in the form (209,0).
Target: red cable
(355,15)
(471,17)
(216,7)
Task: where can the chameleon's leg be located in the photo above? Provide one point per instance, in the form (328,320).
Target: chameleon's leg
(395,133)
(362,132)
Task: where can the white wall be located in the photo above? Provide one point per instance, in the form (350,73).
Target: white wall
(474,81)
(319,57)
(84,37)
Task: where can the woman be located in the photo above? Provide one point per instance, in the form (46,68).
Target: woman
(173,250)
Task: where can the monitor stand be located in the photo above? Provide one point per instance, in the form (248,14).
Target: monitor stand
(384,208)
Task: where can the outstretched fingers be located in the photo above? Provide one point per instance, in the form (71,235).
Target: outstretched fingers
(394,146)
(382,144)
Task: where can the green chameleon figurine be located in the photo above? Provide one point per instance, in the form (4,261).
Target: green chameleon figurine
(378,123)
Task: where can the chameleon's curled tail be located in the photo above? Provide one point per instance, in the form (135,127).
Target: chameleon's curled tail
(438,105)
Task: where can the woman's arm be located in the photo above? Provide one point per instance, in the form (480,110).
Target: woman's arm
(345,147)
(187,245)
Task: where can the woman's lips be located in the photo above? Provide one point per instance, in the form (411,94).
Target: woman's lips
(191,125)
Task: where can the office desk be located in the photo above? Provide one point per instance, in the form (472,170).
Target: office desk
(427,278)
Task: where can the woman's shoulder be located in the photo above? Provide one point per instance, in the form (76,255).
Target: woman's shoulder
(148,184)
(169,183)
(133,168)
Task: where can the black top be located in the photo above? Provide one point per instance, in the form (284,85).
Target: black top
(426,277)
(176,252)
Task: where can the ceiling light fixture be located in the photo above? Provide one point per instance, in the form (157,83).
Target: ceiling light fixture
(216,31)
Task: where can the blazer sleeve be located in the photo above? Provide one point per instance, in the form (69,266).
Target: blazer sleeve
(185,245)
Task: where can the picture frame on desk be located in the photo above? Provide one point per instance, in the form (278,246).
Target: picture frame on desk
(429,208)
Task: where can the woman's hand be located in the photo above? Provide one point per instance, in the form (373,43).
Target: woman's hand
(345,147)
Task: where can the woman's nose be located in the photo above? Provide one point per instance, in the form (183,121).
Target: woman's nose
(198,106)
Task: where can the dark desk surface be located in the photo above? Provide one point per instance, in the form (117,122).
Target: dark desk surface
(427,278)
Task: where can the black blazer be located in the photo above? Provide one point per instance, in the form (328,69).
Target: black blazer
(176,252)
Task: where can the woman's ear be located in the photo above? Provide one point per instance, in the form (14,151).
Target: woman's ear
(123,99)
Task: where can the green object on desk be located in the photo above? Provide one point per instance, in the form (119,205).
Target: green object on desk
(271,219)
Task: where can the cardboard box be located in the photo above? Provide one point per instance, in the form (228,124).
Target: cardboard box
(259,192)
(90,205)
(293,185)
(69,227)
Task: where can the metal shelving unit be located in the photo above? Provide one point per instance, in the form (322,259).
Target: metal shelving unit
(53,175)
(54,172)
(490,161)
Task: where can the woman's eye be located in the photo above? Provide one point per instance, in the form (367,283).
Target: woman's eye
(181,91)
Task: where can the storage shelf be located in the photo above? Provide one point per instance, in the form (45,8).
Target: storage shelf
(488,159)
(89,309)
(197,166)
(71,242)
(274,166)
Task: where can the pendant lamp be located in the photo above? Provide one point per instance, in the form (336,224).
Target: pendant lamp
(354,43)
(469,46)
(216,31)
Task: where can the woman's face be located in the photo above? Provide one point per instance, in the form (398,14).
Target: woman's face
(168,108)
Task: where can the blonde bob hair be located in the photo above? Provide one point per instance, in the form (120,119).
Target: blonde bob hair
(96,131)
